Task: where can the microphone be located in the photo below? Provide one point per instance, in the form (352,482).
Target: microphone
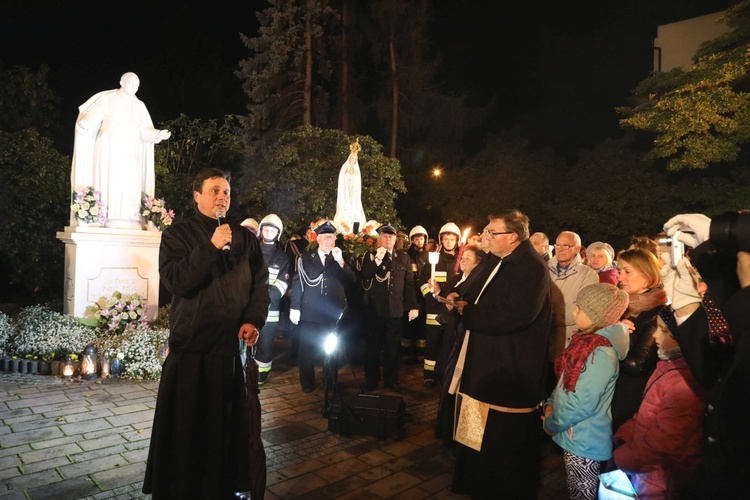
(221,218)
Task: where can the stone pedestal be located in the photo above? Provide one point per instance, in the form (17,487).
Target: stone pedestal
(101,260)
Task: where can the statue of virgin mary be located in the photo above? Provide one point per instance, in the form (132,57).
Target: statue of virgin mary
(349,197)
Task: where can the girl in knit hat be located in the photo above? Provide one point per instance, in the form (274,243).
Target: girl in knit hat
(577,415)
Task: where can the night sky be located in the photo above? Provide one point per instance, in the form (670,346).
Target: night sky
(557,69)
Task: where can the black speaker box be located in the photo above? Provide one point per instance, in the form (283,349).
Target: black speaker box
(380,416)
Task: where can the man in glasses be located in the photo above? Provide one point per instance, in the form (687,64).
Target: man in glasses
(500,374)
(570,275)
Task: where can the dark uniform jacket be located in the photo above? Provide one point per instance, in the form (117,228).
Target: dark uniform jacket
(324,302)
(510,327)
(279,276)
(389,290)
(214,291)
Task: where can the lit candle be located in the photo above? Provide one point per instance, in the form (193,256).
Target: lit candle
(434,258)
(104,364)
(67,370)
(465,237)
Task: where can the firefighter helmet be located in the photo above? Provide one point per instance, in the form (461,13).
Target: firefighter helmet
(271,220)
(450,228)
(416,230)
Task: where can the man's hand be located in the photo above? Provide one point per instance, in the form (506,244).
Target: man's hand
(249,334)
(679,285)
(697,223)
(434,286)
(222,236)
(337,255)
(380,255)
(413,314)
(451,296)
(460,304)
(294,316)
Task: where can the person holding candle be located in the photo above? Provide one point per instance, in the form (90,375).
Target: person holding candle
(412,340)
(440,271)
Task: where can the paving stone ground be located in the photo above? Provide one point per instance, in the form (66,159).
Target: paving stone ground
(69,439)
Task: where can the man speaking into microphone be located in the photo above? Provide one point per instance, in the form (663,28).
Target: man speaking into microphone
(199,440)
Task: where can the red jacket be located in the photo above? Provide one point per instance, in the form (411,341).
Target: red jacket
(662,445)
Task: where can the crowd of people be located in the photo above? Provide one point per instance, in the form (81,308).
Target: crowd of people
(628,359)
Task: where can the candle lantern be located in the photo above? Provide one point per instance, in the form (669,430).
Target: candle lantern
(67,367)
(88,363)
(104,365)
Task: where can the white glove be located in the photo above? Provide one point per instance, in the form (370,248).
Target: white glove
(380,254)
(294,316)
(697,223)
(413,314)
(337,255)
(679,285)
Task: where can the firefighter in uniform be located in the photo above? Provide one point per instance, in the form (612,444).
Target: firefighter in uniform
(413,340)
(277,261)
(444,270)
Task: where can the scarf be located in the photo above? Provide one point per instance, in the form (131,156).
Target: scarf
(572,361)
(645,301)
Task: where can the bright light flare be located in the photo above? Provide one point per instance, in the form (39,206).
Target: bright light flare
(331,343)
(437,172)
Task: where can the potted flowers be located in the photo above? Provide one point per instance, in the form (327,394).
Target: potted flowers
(87,208)
(154,210)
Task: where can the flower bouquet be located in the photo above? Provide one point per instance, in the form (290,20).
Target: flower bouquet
(154,210)
(87,207)
(361,242)
(117,314)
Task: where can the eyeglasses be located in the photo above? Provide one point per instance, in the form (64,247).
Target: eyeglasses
(496,233)
(563,247)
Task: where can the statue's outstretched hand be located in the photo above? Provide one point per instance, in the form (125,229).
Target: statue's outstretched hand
(163,135)
(82,126)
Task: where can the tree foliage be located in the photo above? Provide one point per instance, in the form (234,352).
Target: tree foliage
(297,178)
(36,205)
(285,77)
(195,145)
(26,101)
(506,174)
(701,116)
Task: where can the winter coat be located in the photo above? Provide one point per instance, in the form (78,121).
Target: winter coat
(663,443)
(569,283)
(587,409)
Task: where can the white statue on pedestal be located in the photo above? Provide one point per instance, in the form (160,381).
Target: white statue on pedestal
(349,198)
(114,151)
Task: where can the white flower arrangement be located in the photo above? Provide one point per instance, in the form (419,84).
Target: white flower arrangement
(48,334)
(141,349)
(87,207)
(117,313)
(155,210)
(7,331)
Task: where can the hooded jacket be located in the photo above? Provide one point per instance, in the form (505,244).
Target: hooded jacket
(587,409)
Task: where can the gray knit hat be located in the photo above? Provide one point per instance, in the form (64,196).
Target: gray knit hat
(603,303)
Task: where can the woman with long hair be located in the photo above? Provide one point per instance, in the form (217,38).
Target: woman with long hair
(638,273)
